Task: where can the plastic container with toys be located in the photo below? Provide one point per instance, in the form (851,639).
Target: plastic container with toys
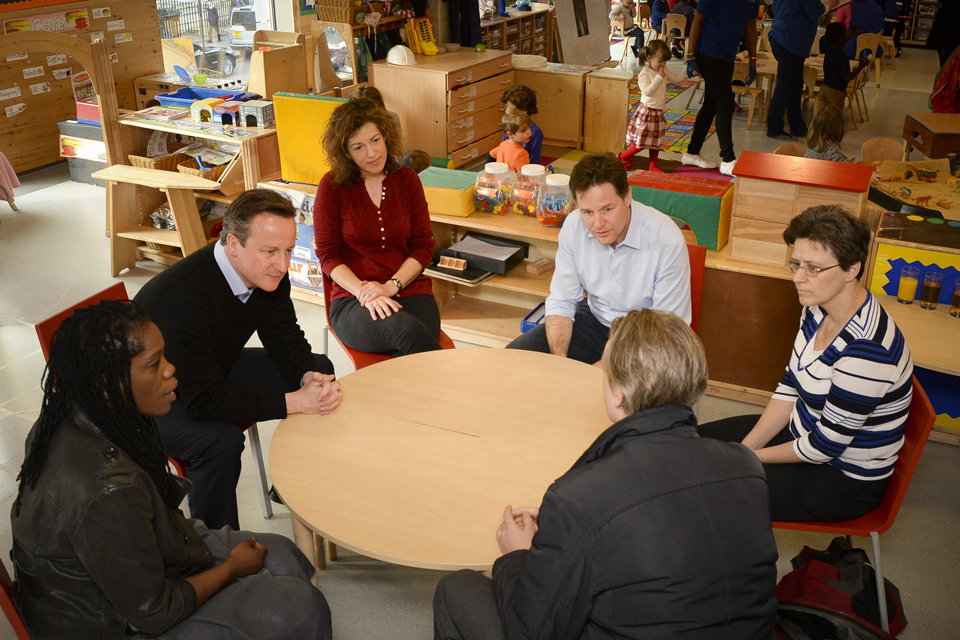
(492,191)
(555,201)
(526,188)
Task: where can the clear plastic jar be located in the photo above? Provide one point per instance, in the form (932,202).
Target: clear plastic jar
(526,189)
(555,201)
(492,190)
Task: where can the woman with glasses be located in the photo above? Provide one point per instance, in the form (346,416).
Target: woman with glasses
(829,437)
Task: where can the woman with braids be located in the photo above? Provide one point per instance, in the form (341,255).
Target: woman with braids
(100,548)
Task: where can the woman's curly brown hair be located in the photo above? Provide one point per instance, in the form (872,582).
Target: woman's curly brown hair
(344,123)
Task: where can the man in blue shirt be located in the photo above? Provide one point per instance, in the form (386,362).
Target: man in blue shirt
(791,38)
(718,28)
(622,254)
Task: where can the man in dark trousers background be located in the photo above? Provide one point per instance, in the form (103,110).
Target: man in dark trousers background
(207,306)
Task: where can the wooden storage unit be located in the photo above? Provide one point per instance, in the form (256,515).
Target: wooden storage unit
(133,192)
(771,189)
(560,100)
(607,92)
(429,95)
(916,26)
(524,32)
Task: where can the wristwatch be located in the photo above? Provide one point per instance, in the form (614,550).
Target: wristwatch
(397,282)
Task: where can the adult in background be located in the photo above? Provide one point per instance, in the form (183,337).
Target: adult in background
(868,16)
(892,24)
(944,35)
(653,533)
(718,28)
(829,437)
(100,547)
(374,238)
(791,38)
(213,21)
(624,255)
(208,306)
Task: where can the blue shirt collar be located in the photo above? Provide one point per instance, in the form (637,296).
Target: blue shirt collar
(233,278)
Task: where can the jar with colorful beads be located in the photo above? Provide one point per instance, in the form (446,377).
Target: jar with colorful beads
(523,195)
(492,191)
(554,202)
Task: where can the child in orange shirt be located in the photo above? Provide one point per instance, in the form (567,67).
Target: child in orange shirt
(516,124)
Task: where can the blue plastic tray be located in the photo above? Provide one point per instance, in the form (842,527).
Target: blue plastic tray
(186,96)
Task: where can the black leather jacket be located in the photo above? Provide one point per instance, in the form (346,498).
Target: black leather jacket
(96,552)
(654,534)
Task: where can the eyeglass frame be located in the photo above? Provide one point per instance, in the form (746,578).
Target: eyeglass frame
(803,268)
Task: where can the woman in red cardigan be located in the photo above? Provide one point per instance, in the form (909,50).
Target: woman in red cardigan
(373,236)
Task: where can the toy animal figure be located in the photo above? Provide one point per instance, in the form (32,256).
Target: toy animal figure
(896,177)
(952,184)
(922,201)
(925,175)
(905,192)
(944,203)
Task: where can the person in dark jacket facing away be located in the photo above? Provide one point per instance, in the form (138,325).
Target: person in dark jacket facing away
(100,547)
(654,533)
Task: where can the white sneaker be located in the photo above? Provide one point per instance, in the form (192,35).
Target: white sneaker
(697,161)
(726,168)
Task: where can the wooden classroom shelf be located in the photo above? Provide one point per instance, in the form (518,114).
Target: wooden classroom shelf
(150,234)
(521,281)
(511,224)
(133,120)
(482,322)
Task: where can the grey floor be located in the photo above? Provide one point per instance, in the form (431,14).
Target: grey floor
(53,252)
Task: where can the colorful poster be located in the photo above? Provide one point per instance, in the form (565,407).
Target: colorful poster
(60,22)
(40,87)
(83,89)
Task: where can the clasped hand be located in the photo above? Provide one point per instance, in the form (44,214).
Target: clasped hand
(378,299)
(320,394)
(516,531)
(246,558)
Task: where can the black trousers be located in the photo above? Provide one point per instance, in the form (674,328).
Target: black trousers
(804,492)
(787,93)
(586,344)
(464,608)
(212,448)
(895,28)
(717,103)
(413,329)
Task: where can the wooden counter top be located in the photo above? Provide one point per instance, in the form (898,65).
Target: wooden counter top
(803,171)
(940,123)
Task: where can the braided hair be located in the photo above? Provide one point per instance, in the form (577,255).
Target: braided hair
(89,370)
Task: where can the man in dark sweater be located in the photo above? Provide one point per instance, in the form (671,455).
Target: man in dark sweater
(207,307)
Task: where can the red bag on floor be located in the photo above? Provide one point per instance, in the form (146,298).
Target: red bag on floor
(946,86)
(840,581)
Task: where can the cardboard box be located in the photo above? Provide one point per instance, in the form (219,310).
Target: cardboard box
(449,192)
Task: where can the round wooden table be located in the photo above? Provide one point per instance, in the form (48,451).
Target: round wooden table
(424,453)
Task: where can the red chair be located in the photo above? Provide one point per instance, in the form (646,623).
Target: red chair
(698,262)
(118,291)
(361,359)
(919,424)
(6,603)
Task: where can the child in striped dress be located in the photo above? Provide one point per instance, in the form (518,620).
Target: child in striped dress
(647,126)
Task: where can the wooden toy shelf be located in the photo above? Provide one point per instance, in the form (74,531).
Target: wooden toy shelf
(524,32)
(133,193)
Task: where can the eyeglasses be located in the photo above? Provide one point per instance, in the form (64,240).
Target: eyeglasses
(807,269)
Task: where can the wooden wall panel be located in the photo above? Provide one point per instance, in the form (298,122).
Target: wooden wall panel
(30,139)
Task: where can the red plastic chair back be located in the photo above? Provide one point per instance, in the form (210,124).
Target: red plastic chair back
(48,327)
(698,262)
(361,359)
(6,603)
(919,424)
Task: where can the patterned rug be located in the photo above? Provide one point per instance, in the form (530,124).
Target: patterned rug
(679,121)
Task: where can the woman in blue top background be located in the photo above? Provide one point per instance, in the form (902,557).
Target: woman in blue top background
(791,38)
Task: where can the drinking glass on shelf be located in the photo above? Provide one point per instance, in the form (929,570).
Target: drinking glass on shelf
(930,294)
(907,290)
(955,303)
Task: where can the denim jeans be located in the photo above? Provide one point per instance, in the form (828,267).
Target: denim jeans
(787,94)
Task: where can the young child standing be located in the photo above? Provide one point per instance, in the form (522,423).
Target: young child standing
(516,126)
(646,127)
(825,135)
(523,98)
